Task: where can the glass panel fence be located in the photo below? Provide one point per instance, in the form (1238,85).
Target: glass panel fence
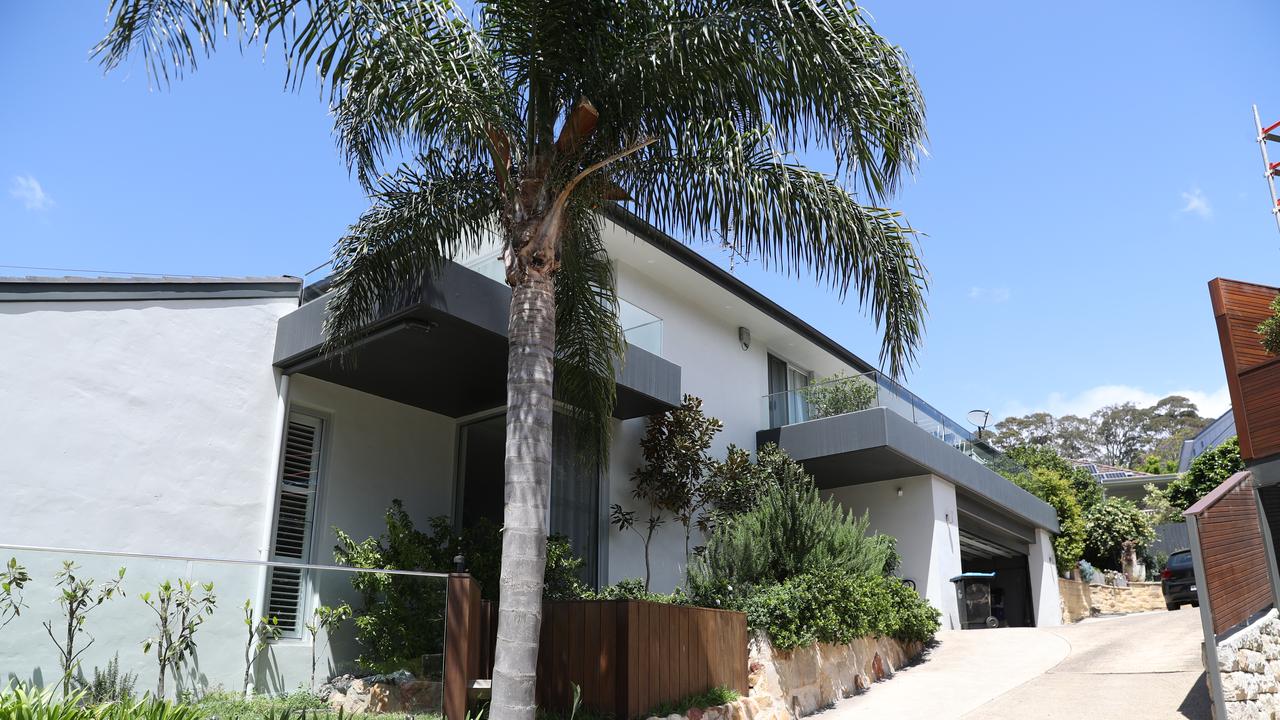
(854,393)
(388,659)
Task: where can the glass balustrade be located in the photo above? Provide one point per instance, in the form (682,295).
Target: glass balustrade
(397,651)
(855,393)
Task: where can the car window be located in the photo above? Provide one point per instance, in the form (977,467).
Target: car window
(1180,561)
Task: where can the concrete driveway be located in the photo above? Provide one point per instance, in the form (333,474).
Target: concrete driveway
(1136,667)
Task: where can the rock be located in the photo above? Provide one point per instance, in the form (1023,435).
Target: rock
(675,716)
(342,682)
(694,713)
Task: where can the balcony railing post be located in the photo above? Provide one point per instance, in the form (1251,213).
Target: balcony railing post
(461,643)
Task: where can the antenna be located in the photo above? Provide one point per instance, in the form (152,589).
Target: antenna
(1266,135)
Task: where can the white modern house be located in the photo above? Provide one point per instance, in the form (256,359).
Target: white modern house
(198,418)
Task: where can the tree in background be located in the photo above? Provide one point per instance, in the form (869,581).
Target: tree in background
(1109,525)
(1153,465)
(523,119)
(1209,470)
(1084,486)
(1123,435)
(1056,490)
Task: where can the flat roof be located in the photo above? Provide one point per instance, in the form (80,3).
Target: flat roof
(73,288)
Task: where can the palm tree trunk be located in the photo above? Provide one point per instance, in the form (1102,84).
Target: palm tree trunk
(530,366)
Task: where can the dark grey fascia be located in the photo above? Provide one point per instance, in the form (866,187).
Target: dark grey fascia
(878,444)
(443,348)
(70,289)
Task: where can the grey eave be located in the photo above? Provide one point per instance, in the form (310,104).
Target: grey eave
(443,347)
(64,289)
(878,444)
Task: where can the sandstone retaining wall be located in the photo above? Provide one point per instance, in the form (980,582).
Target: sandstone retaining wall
(1081,600)
(786,685)
(1249,664)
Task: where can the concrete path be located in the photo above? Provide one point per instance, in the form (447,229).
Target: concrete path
(1133,667)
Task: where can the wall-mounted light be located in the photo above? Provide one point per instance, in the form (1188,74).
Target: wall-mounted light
(744,338)
(899,492)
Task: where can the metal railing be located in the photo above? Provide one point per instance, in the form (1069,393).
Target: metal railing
(845,394)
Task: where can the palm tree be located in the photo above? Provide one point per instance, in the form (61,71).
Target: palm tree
(525,118)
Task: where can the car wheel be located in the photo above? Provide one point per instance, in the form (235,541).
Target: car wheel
(1172,606)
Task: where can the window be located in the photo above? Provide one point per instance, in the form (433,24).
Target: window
(786,404)
(295,513)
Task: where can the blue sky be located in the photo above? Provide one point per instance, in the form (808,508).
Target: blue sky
(1091,166)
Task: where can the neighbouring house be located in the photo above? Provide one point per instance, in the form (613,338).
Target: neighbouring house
(198,418)
(1122,482)
(1213,435)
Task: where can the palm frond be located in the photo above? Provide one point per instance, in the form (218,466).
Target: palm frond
(589,343)
(419,219)
(733,186)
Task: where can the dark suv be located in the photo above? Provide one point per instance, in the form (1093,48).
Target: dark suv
(1178,581)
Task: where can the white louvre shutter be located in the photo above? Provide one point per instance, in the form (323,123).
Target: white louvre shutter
(295,510)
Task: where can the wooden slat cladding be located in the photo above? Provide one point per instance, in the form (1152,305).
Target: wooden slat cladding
(1253,375)
(1231,546)
(629,656)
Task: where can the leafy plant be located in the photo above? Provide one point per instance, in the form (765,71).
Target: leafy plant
(1209,470)
(793,531)
(324,620)
(633,589)
(236,706)
(1085,487)
(714,697)
(1269,329)
(625,520)
(1051,487)
(78,598)
(180,608)
(838,608)
(400,618)
(260,633)
(673,476)
(109,685)
(838,394)
(24,704)
(13,578)
(1109,525)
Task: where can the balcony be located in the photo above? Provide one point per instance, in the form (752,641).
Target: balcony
(851,394)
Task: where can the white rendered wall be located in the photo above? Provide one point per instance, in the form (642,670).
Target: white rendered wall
(732,383)
(143,426)
(1045,600)
(923,520)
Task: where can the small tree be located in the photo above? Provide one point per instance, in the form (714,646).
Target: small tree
(1269,329)
(259,634)
(326,620)
(1109,525)
(734,486)
(79,597)
(1050,486)
(13,578)
(676,463)
(839,394)
(625,520)
(180,610)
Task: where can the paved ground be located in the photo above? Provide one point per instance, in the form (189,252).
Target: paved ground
(1136,667)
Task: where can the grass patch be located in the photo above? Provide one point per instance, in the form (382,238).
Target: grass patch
(711,698)
(223,705)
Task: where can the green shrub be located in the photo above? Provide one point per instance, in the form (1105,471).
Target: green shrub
(838,394)
(709,698)
(792,531)
(109,685)
(838,608)
(1051,487)
(226,705)
(1109,525)
(1269,330)
(402,617)
(29,704)
(633,589)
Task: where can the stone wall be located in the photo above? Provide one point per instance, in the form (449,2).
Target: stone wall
(1081,600)
(786,685)
(1249,664)
(1076,602)
(1137,597)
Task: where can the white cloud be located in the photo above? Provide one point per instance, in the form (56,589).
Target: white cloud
(991,295)
(1195,202)
(27,190)
(1210,404)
